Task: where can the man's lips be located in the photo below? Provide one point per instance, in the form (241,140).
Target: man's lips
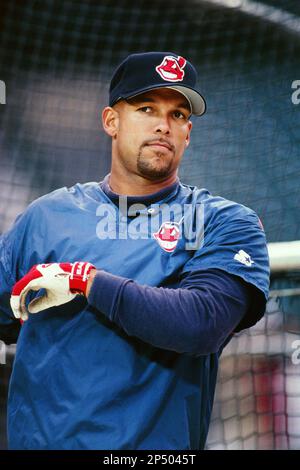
(158,143)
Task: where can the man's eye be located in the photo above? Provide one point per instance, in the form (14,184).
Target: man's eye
(179,115)
(145,109)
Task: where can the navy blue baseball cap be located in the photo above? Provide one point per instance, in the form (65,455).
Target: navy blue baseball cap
(146,71)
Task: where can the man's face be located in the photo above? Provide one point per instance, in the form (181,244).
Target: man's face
(150,132)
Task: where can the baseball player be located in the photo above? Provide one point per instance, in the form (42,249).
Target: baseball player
(124,292)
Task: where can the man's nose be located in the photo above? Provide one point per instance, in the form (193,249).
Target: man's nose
(163,126)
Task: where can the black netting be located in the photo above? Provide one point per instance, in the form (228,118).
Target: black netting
(56,59)
(257,404)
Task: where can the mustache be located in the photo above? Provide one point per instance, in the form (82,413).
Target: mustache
(161,141)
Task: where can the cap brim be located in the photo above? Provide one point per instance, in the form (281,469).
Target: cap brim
(196,101)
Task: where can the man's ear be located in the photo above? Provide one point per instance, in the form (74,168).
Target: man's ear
(110,121)
(188,136)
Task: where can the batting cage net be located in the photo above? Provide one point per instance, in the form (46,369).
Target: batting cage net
(56,62)
(257,404)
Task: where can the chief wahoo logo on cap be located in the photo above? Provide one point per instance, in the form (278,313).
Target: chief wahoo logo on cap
(171,69)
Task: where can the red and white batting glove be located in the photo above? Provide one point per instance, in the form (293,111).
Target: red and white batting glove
(62,282)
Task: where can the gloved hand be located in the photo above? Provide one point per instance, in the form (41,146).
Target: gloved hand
(62,282)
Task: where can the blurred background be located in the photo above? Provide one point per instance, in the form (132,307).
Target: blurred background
(56,60)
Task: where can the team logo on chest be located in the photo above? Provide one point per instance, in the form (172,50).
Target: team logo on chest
(167,236)
(171,69)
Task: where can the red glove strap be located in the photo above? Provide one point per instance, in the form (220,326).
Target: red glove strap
(79,276)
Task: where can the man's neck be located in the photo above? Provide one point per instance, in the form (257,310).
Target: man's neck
(136,185)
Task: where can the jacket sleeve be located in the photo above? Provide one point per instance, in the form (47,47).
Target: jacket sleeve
(15,259)
(195,318)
